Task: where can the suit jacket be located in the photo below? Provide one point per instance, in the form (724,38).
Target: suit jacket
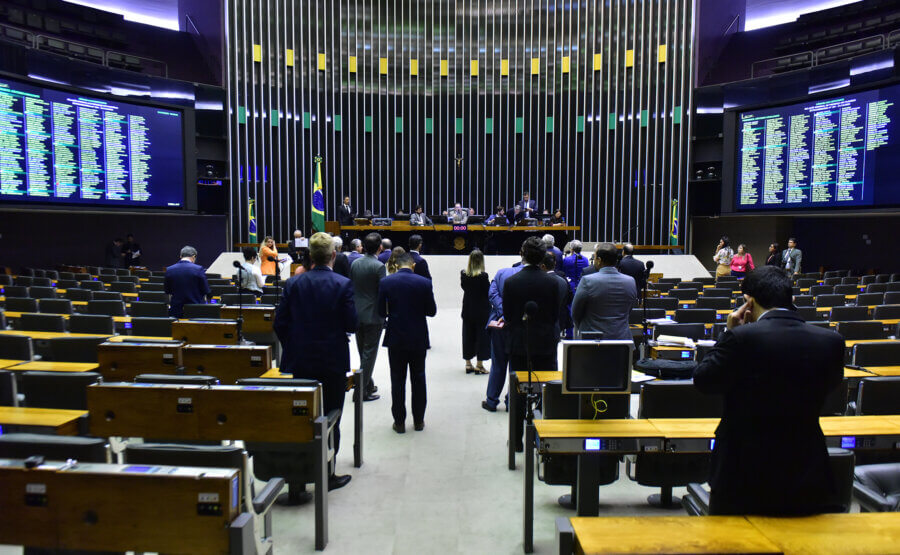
(352,256)
(573,265)
(421,267)
(406,299)
(558,255)
(295,252)
(603,302)
(112,257)
(495,293)
(529,206)
(345,217)
(565,301)
(384,256)
(312,322)
(475,304)
(770,455)
(419,219)
(342,265)
(460,216)
(796,258)
(532,284)
(187,284)
(631,266)
(366,275)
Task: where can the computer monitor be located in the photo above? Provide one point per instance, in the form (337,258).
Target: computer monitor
(597,366)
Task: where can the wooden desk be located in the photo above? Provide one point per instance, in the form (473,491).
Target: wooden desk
(6,363)
(59,421)
(666,534)
(854,373)
(837,534)
(48,366)
(206,332)
(123,361)
(257,319)
(110,507)
(16,315)
(404,227)
(884,370)
(853,342)
(229,363)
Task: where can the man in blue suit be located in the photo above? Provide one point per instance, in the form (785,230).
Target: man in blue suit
(499,358)
(186,282)
(312,322)
(550,242)
(420,265)
(405,299)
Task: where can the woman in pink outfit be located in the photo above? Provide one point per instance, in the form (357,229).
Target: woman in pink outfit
(741,262)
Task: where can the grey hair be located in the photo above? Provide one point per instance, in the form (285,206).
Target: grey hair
(338,242)
(549,240)
(355,243)
(188,252)
(577,246)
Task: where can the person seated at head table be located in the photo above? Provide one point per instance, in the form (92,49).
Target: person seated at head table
(458,215)
(418,217)
(516,216)
(499,214)
(557,219)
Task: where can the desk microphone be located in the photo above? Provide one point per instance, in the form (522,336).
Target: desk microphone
(649,264)
(531,309)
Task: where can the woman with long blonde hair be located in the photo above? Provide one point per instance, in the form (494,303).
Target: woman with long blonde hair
(267,249)
(391,263)
(476,309)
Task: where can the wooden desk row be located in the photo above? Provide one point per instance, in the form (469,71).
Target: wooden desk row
(111,507)
(827,534)
(590,439)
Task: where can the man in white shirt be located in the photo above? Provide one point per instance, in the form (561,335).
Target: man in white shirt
(251,278)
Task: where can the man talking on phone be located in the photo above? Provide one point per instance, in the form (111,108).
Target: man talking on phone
(774,371)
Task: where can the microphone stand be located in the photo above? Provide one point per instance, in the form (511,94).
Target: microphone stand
(644,340)
(240,319)
(277,276)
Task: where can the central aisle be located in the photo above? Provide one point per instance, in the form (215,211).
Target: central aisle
(446,489)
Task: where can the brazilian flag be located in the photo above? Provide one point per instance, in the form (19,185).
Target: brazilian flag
(318,198)
(673,232)
(252,223)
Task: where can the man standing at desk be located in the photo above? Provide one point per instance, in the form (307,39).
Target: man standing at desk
(775,371)
(312,322)
(604,299)
(186,282)
(528,204)
(345,213)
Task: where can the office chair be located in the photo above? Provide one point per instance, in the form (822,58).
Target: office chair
(5,279)
(715,303)
(684,294)
(153,296)
(848,313)
(891,297)
(20,304)
(40,292)
(41,322)
(718,292)
(693,331)
(79,294)
(886,312)
(123,287)
(695,316)
(876,354)
(58,390)
(834,280)
(878,395)
(106,307)
(23,281)
(92,285)
(148,309)
(150,287)
(805,283)
(829,300)
(107,296)
(861,330)
(235,299)
(817,290)
(846,289)
(850,281)
(876,487)
(154,327)
(876,288)
(16,347)
(202,311)
(67,283)
(871,299)
(19,291)
(636,316)
(669,280)
(41,282)
(54,448)
(270,299)
(664,303)
(73,349)
(691,285)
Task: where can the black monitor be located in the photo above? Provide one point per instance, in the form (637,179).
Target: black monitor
(597,366)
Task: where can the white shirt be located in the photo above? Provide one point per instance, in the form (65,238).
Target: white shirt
(252,277)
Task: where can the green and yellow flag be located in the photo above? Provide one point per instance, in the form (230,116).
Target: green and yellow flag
(252,223)
(318,198)
(673,231)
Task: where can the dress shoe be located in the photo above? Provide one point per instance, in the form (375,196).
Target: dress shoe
(399,428)
(335,481)
(371,397)
(373,388)
(419,426)
(487,407)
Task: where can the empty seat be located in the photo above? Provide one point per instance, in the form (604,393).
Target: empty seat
(876,354)
(892,297)
(155,327)
(54,447)
(870,299)
(79,294)
(718,292)
(664,303)
(58,390)
(817,290)
(23,281)
(636,316)
(40,292)
(202,311)
(73,349)
(669,280)
(693,331)
(17,304)
(143,308)
(846,289)
(690,285)
(15,291)
(123,272)
(886,312)
(830,300)
(91,323)
(834,280)
(92,285)
(83,276)
(805,283)
(107,272)
(41,322)
(141,273)
(154,296)
(876,288)
(878,395)
(107,308)
(684,294)
(866,280)
(16,347)
(804,300)
(219,290)
(270,299)
(67,283)
(41,282)
(5,279)
(852,280)
(846,313)
(861,330)
(123,287)
(662,287)
(150,287)
(55,306)
(234,299)
(107,296)
(695,316)
(809,313)
(876,487)
(715,303)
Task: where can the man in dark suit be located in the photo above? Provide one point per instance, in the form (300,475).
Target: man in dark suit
(604,299)
(113,256)
(345,213)
(312,322)
(386,247)
(775,371)
(185,282)
(631,266)
(529,205)
(421,266)
(132,251)
(539,338)
(295,252)
(550,241)
(341,262)
(405,299)
(366,274)
(565,294)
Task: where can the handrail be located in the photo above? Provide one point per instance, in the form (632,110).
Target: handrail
(38,43)
(737,17)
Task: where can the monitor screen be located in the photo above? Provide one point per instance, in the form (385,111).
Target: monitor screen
(837,152)
(59,147)
(592,366)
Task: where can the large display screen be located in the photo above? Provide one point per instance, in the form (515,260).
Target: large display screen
(69,148)
(842,151)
